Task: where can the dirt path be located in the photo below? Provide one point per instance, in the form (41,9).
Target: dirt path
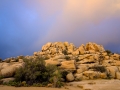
(82,85)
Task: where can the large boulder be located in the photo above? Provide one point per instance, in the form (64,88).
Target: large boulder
(78,77)
(94,47)
(116,56)
(112,71)
(70,48)
(52,62)
(85,61)
(103,76)
(91,74)
(8,70)
(81,69)
(66,44)
(81,49)
(70,77)
(68,65)
(118,75)
(46,46)
(76,52)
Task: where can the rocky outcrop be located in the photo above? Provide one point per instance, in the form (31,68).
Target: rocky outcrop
(8,69)
(94,47)
(68,65)
(85,62)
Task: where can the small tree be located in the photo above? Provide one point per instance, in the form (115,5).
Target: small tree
(101,58)
(65,52)
(36,73)
(108,52)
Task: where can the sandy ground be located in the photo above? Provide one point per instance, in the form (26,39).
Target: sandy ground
(82,85)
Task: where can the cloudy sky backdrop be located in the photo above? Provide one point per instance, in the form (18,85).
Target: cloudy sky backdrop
(25,25)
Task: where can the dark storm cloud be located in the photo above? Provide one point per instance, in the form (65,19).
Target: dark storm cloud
(25,25)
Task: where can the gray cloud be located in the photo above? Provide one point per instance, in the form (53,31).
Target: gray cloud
(25,25)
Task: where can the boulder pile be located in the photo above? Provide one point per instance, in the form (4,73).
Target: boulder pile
(90,61)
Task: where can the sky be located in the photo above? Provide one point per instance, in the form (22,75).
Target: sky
(26,25)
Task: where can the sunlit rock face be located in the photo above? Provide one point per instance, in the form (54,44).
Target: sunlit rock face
(90,61)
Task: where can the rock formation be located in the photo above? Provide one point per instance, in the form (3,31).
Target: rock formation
(90,61)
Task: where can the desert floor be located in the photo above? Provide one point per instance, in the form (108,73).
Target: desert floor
(81,85)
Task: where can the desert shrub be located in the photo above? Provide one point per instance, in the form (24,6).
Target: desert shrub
(64,73)
(109,76)
(108,52)
(54,75)
(7,61)
(65,52)
(77,59)
(0,60)
(36,73)
(99,68)
(46,57)
(13,83)
(67,57)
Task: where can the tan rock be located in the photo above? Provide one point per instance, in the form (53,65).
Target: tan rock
(116,63)
(79,71)
(46,46)
(21,60)
(69,65)
(116,56)
(85,61)
(112,70)
(66,44)
(85,78)
(82,68)
(61,60)
(103,75)
(91,74)
(35,53)
(104,54)
(76,52)
(81,57)
(94,47)
(70,77)
(107,63)
(81,49)
(50,61)
(78,77)
(117,75)
(59,45)
(9,70)
(53,51)
(59,57)
(3,65)
(106,57)
(71,48)
(89,46)
(96,57)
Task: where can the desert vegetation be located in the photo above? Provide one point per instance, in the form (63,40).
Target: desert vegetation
(35,73)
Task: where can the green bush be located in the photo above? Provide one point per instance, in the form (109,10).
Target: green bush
(67,57)
(65,52)
(36,73)
(64,73)
(108,52)
(99,68)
